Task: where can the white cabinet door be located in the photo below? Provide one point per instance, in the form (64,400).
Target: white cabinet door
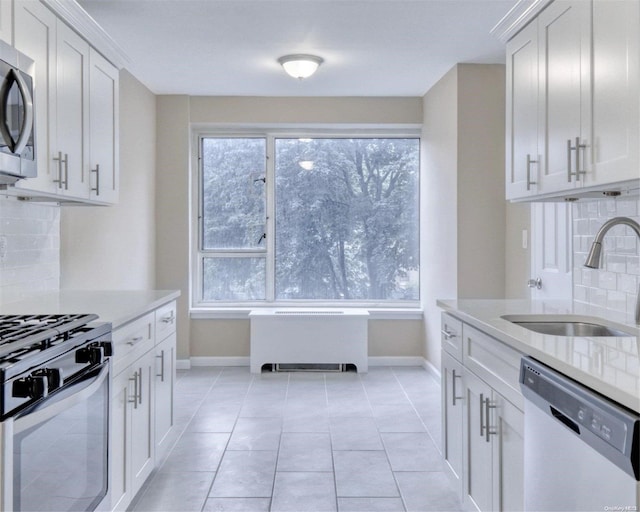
(165,376)
(478,481)
(120,440)
(142,435)
(452,420)
(564,55)
(103,129)
(508,455)
(72,112)
(6,32)
(615,114)
(522,158)
(35,36)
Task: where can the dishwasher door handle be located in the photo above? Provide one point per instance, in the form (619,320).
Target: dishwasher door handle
(564,419)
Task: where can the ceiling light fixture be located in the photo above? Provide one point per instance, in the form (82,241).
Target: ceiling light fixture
(300,65)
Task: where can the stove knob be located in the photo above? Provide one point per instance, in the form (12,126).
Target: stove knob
(33,386)
(53,376)
(107,347)
(91,354)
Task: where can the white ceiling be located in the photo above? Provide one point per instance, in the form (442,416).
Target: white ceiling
(230,47)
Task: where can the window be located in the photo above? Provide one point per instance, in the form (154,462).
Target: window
(320,219)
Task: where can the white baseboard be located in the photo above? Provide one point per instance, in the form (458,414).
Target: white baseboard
(431,370)
(183,364)
(219,361)
(395,361)
(186,364)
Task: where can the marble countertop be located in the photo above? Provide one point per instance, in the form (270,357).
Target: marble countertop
(608,365)
(117,307)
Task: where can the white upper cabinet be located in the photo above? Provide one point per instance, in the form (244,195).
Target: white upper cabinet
(104,105)
(577,62)
(614,149)
(77,110)
(70,151)
(6,27)
(563,63)
(35,36)
(522,155)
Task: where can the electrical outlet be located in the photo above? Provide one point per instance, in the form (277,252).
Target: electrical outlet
(3,246)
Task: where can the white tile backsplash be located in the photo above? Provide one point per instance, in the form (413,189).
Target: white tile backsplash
(615,286)
(29,248)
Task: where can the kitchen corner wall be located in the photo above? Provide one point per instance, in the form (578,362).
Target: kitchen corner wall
(615,285)
(29,249)
(463,210)
(113,247)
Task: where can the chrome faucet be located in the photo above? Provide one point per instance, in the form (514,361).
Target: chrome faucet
(593,259)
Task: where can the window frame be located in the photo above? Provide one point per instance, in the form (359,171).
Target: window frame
(201,308)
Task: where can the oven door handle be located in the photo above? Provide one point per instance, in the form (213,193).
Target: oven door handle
(87,388)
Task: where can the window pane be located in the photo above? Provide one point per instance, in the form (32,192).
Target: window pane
(233,279)
(233,192)
(347,219)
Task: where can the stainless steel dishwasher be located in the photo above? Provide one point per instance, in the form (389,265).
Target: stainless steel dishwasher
(581,450)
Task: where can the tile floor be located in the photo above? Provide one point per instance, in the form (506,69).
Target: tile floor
(303,442)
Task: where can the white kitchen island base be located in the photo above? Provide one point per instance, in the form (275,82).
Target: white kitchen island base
(309,336)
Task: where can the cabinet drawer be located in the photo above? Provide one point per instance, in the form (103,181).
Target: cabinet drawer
(494,362)
(132,340)
(451,335)
(165,321)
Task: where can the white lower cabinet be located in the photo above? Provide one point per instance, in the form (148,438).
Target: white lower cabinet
(483,432)
(141,405)
(165,378)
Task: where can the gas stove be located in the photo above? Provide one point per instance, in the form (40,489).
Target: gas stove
(39,354)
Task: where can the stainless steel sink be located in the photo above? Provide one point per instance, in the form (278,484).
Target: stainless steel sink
(571,329)
(559,326)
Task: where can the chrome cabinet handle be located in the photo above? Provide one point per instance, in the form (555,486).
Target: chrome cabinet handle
(488,430)
(134,399)
(577,149)
(140,388)
(134,340)
(529,162)
(60,181)
(454,394)
(447,334)
(169,319)
(161,374)
(97,187)
(481,415)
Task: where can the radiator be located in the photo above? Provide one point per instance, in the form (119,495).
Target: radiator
(309,336)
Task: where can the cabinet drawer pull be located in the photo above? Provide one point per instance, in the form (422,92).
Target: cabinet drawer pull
(135,340)
(168,319)
(448,335)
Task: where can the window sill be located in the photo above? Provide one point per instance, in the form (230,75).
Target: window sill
(242,313)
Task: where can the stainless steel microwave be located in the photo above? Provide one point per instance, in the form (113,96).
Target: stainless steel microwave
(17,116)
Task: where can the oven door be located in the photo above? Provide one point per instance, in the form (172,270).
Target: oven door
(60,448)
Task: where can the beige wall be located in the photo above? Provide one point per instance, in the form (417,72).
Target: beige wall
(230,338)
(113,247)
(464,209)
